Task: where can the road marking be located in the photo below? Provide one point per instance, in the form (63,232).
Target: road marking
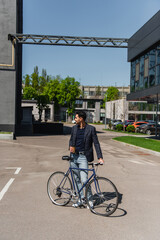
(18,169)
(134,161)
(149,163)
(143,162)
(6,187)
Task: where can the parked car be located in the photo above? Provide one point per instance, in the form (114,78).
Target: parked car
(150,129)
(116,123)
(138,123)
(139,128)
(115,120)
(142,128)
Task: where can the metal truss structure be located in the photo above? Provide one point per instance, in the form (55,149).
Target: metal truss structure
(69,40)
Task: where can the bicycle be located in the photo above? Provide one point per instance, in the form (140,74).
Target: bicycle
(61,189)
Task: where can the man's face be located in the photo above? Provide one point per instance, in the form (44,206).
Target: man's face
(78,119)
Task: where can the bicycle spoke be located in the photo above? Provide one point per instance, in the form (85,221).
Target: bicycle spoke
(103,195)
(59,188)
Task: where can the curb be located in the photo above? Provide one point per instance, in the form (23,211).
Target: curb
(147,150)
(6,136)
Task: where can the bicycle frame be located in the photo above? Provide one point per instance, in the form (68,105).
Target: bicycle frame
(70,172)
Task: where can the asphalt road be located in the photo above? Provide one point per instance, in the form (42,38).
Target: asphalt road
(26,213)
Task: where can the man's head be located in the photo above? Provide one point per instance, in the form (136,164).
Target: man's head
(80,117)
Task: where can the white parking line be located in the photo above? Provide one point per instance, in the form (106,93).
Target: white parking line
(6,187)
(134,161)
(143,162)
(18,169)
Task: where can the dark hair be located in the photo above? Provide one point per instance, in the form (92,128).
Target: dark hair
(82,115)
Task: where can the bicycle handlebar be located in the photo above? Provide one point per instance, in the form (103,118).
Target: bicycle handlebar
(68,158)
(94,164)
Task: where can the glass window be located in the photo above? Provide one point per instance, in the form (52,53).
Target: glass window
(146,82)
(151,77)
(132,106)
(86,93)
(158,75)
(132,84)
(79,103)
(91,93)
(158,56)
(152,58)
(91,104)
(133,69)
(149,107)
(141,81)
(136,85)
(142,64)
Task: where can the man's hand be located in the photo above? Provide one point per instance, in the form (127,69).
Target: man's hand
(101,161)
(72,149)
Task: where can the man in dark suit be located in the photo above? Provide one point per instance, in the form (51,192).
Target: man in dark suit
(81,148)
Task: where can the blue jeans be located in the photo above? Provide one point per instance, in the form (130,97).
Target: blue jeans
(81,176)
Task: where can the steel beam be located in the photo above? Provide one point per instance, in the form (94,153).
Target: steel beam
(69,40)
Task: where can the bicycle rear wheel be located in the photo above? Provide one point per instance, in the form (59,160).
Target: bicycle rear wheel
(59,188)
(102,196)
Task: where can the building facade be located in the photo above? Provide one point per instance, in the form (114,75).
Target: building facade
(144,55)
(131,110)
(11,21)
(91,101)
(47,114)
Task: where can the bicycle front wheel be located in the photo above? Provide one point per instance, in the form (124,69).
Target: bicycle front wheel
(59,188)
(102,196)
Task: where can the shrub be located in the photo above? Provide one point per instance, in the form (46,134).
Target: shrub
(130,128)
(119,127)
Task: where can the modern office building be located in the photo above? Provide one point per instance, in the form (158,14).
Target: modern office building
(144,55)
(130,110)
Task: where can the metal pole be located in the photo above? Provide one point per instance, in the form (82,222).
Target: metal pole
(156,115)
(105,112)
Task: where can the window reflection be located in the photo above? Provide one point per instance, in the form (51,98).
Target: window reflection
(152,77)
(145,71)
(141,106)
(152,58)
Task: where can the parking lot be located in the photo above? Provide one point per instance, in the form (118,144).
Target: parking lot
(27,213)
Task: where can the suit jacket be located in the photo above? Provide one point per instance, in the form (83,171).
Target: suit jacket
(90,137)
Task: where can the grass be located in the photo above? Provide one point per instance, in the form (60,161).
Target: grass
(5,132)
(141,142)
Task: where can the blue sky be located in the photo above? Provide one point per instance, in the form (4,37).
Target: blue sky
(103,18)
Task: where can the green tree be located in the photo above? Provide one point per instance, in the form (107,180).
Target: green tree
(27,80)
(42,102)
(112,93)
(36,70)
(42,84)
(29,93)
(35,81)
(68,92)
(98,91)
(52,89)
